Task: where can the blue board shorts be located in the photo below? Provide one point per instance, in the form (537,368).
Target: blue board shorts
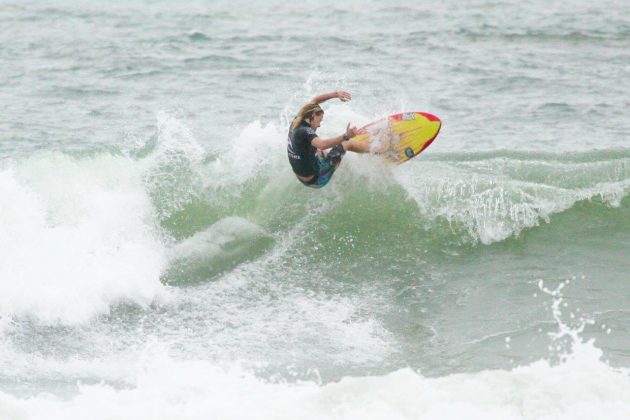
(327,166)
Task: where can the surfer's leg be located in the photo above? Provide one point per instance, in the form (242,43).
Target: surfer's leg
(356,146)
(334,156)
(327,165)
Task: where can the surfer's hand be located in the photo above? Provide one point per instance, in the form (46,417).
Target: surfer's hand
(351,131)
(344,96)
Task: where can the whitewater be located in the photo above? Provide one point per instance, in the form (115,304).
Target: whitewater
(159,260)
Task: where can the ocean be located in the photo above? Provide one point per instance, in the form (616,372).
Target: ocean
(159,260)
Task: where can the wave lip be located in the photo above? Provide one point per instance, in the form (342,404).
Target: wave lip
(494,198)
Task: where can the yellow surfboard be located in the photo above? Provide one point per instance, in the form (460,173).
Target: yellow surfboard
(401,137)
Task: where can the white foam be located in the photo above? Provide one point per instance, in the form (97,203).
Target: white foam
(77,237)
(269,325)
(582,387)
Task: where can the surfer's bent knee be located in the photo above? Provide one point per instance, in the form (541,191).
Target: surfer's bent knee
(356,147)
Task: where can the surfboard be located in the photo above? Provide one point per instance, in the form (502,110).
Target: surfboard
(401,137)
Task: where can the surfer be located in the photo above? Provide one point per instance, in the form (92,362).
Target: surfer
(314,160)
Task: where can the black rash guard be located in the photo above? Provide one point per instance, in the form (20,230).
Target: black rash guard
(301,152)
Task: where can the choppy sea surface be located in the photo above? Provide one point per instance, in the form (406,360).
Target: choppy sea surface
(159,260)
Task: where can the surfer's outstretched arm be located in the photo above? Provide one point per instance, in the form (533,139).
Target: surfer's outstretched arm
(343,96)
(313,105)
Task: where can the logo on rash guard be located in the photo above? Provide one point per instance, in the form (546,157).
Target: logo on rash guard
(290,150)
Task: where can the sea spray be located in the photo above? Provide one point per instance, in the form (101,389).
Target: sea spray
(171,172)
(567,341)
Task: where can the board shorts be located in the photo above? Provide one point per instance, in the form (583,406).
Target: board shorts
(327,166)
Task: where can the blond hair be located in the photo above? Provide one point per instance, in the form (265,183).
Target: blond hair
(305,114)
